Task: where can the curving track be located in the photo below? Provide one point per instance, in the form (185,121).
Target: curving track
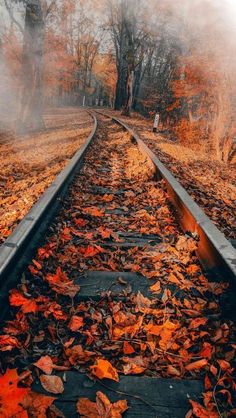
(116,261)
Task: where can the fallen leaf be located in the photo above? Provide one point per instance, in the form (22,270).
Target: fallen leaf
(201,412)
(7,343)
(156,288)
(11,396)
(27,305)
(45,364)
(104,370)
(76,323)
(52,384)
(127,348)
(197,322)
(196,365)
(37,405)
(102,408)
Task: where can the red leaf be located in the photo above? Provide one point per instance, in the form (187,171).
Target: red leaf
(11,396)
(27,305)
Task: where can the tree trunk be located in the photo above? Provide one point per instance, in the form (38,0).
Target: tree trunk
(137,81)
(120,87)
(129,93)
(30,115)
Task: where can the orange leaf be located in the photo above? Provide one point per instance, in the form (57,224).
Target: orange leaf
(27,305)
(201,412)
(156,287)
(213,370)
(104,370)
(11,396)
(102,408)
(93,211)
(76,323)
(52,384)
(7,343)
(173,371)
(196,365)
(45,364)
(91,251)
(128,349)
(207,383)
(224,365)
(197,322)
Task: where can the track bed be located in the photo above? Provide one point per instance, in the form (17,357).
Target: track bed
(117,280)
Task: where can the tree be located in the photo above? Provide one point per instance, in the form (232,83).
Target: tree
(30,114)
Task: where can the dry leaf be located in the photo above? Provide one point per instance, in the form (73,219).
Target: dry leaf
(52,384)
(103,369)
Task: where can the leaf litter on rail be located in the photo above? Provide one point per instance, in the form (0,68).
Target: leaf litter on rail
(176,331)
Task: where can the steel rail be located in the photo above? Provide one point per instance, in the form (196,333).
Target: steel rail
(215,252)
(21,243)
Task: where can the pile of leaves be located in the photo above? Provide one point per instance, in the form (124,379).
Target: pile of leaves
(30,163)
(209,182)
(177,330)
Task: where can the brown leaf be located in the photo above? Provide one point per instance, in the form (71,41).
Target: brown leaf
(45,364)
(37,405)
(52,384)
(76,323)
(102,408)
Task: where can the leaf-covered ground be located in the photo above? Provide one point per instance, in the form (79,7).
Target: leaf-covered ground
(30,163)
(177,330)
(210,183)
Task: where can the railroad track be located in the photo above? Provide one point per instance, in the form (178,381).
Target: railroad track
(113,277)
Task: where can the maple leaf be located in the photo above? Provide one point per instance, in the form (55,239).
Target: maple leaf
(102,408)
(16,327)
(56,310)
(165,331)
(27,305)
(60,283)
(76,354)
(103,369)
(201,412)
(52,384)
(134,365)
(76,323)
(46,251)
(37,405)
(91,251)
(11,396)
(7,343)
(45,364)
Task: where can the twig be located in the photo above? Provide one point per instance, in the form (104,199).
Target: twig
(214,396)
(119,392)
(104,297)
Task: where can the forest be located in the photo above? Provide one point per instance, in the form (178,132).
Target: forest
(175,58)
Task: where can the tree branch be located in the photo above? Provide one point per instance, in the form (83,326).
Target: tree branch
(13,18)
